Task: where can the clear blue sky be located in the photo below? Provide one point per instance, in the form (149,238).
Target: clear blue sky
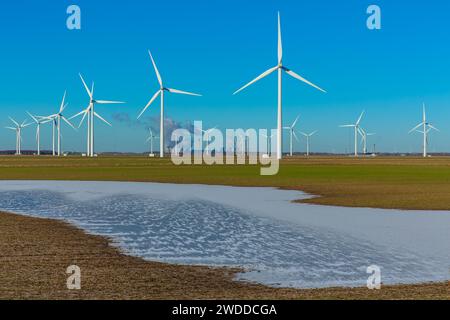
(215,46)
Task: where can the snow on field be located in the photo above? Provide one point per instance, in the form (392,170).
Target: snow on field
(279,243)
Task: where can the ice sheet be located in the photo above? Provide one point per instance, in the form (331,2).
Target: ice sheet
(278,242)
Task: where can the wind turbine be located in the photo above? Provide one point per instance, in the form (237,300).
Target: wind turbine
(426,128)
(150,138)
(292,133)
(39,121)
(356,127)
(307,140)
(56,118)
(280,68)
(91,114)
(18,129)
(161,93)
(364,136)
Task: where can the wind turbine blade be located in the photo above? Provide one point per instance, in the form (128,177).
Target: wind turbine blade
(298,77)
(262,75)
(82,119)
(416,127)
(32,117)
(183,92)
(432,127)
(287,128)
(98,116)
(313,133)
(156,69)
(10,128)
(108,102)
(280,45)
(295,135)
(361,132)
(15,122)
(78,114)
(360,117)
(295,122)
(67,121)
(303,134)
(63,106)
(85,86)
(424,114)
(149,103)
(347,126)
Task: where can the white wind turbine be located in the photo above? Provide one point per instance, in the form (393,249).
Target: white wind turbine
(280,68)
(161,92)
(56,119)
(308,136)
(150,139)
(426,128)
(18,129)
(39,121)
(356,127)
(91,114)
(364,136)
(292,133)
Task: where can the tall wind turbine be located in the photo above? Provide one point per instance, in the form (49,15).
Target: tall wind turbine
(91,114)
(150,138)
(161,92)
(426,128)
(39,121)
(280,68)
(292,133)
(18,129)
(56,118)
(356,127)
(308,136)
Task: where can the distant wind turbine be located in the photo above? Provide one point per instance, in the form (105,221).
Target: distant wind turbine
(292,133)
(39,121)
(364,136)
(91,114)
(356,127)
(426,128)
(18,129)
(161,93)
(308,136)
(56,118)
(150,138)
(280,68)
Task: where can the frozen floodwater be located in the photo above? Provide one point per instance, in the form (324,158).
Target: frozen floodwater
(277,242)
